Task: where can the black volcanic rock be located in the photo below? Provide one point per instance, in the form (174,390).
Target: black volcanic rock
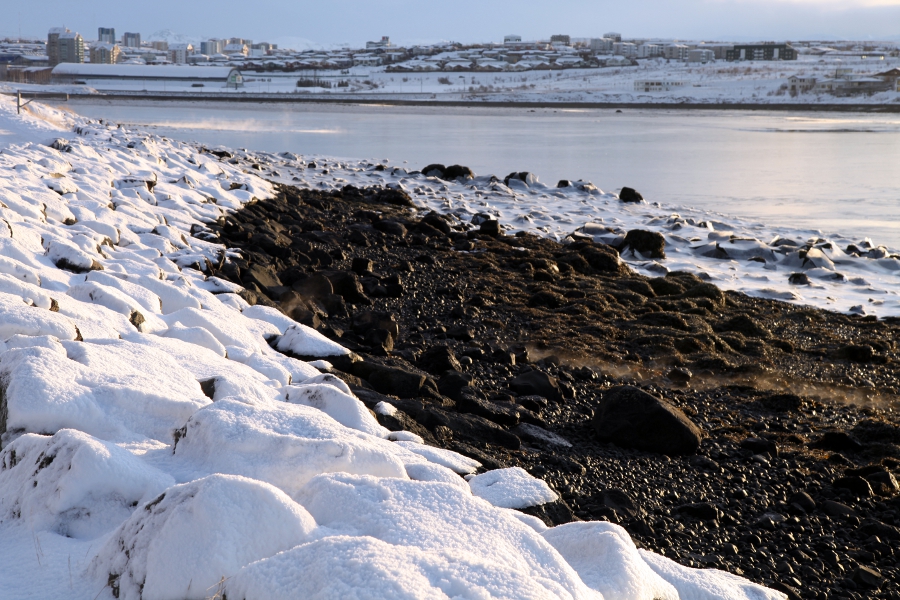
(632,418)
(649,243)
(630,195)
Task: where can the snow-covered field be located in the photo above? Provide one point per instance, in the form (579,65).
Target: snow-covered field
(750,82)
(122,476)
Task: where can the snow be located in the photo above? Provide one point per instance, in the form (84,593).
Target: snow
(607,560)
(283,444)
(446,458)
(153,445)
(73,484)
(341,406)
(485,545)
(194,536)
(706,584)
(511,488)
(305,341)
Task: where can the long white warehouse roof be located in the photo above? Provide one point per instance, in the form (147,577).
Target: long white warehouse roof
(141,71)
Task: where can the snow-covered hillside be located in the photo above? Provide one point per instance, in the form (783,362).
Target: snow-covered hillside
(155,445)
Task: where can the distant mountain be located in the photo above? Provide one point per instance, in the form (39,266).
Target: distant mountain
(167,35)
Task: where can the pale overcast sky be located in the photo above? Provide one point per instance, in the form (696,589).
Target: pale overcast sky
(408,21)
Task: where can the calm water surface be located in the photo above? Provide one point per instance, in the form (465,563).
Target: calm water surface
(827,171)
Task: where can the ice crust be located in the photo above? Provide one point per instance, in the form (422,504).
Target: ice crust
(154,445)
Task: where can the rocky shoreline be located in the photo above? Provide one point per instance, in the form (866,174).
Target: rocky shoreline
(773,447)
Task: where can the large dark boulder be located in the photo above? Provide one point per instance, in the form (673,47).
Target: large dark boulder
(263,277)
(523,176)
(454,172)
(648,243)
(347,285)
(536,383)
(630,195)
(630,417)
(602,259)
(434,170)
(393,380)
(474,428)
(438,360)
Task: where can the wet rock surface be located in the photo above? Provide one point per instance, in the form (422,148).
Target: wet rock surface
(504,348)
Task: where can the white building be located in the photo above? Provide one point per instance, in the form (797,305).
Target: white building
(798,84)
(97,75)
(701,55)
(384,42)
(649,50)
(602,45)
(676,52)
(366,60)
(178,53)
(626,49)
(131,40)
(213,46)
(512,39)
(616,37)
(241,49)
(658,85)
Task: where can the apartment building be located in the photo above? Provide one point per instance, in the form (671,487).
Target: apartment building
(131,40)
(64,46)
(104,54)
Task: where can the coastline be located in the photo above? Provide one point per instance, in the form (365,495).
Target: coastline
(393,100)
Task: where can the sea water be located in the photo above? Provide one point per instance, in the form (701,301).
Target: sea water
(832,172)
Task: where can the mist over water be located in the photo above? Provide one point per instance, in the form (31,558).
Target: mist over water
(836,173)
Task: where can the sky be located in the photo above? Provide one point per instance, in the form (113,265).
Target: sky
(338,22)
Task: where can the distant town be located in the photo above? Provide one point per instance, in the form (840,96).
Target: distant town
(128,62)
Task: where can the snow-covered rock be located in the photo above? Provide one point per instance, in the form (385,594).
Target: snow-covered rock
(191,538)
(511,488)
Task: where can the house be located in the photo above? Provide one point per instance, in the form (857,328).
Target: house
(799,85)
(36,75)
(892,77)
(658,85)
(367,60)
(766,51)
(104,54)
(95,75)
(862,85)
(569,62)
(618,61)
